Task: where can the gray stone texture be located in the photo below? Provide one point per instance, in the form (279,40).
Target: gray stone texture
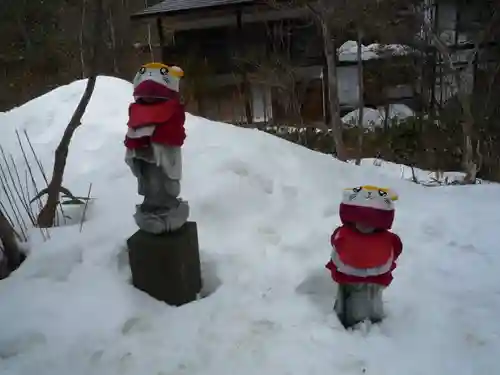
(356,303)
(161,210)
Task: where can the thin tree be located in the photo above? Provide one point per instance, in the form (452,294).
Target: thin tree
(47,214)
(471,163)
(81,38)
(321,13)
(332,16)
(387,20)
(361,95)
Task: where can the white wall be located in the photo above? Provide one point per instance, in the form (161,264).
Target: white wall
(347,81)
(348,85)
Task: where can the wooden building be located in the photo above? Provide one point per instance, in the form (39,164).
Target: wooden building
(460,24)
(248,62)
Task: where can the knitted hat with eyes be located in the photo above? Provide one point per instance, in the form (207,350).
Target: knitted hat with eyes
(157,80)
(371,206)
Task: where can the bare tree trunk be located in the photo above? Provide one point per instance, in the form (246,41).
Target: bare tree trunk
(47,214)
(489,91)
(151,52)
(470,165)
(387,107)
(82,31)
(10,246)
(113,40)
(361,101)
(333,96)
(468,121)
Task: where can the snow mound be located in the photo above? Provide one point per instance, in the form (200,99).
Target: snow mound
(265,210)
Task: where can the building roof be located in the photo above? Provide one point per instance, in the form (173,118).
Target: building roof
(176,6)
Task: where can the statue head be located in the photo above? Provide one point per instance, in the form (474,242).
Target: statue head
(369,206)
(157,81)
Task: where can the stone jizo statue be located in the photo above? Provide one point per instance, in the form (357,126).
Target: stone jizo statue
(153,147)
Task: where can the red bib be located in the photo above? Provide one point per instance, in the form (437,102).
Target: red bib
(151,114)
(360,250)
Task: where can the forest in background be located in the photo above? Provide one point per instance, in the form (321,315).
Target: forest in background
(45,44)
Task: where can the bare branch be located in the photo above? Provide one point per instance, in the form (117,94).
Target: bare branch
(48,212)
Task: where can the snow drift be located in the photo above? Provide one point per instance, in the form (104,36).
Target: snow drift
(265,210)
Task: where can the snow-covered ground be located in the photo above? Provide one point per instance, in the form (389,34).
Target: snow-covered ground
(427,178)
(265,209)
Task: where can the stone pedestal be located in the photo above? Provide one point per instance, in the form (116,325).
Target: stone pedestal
(167,266)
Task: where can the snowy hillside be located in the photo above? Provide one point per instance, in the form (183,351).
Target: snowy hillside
(265,210)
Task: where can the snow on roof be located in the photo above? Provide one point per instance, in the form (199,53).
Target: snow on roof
(171,6)
(348,51)
(375,117)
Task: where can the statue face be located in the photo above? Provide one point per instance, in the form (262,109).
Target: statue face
(370,196)
(168,76)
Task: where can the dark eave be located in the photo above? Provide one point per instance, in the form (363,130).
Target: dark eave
(172,7)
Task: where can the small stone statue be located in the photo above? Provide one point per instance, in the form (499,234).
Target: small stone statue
(364,253)
(154,139)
